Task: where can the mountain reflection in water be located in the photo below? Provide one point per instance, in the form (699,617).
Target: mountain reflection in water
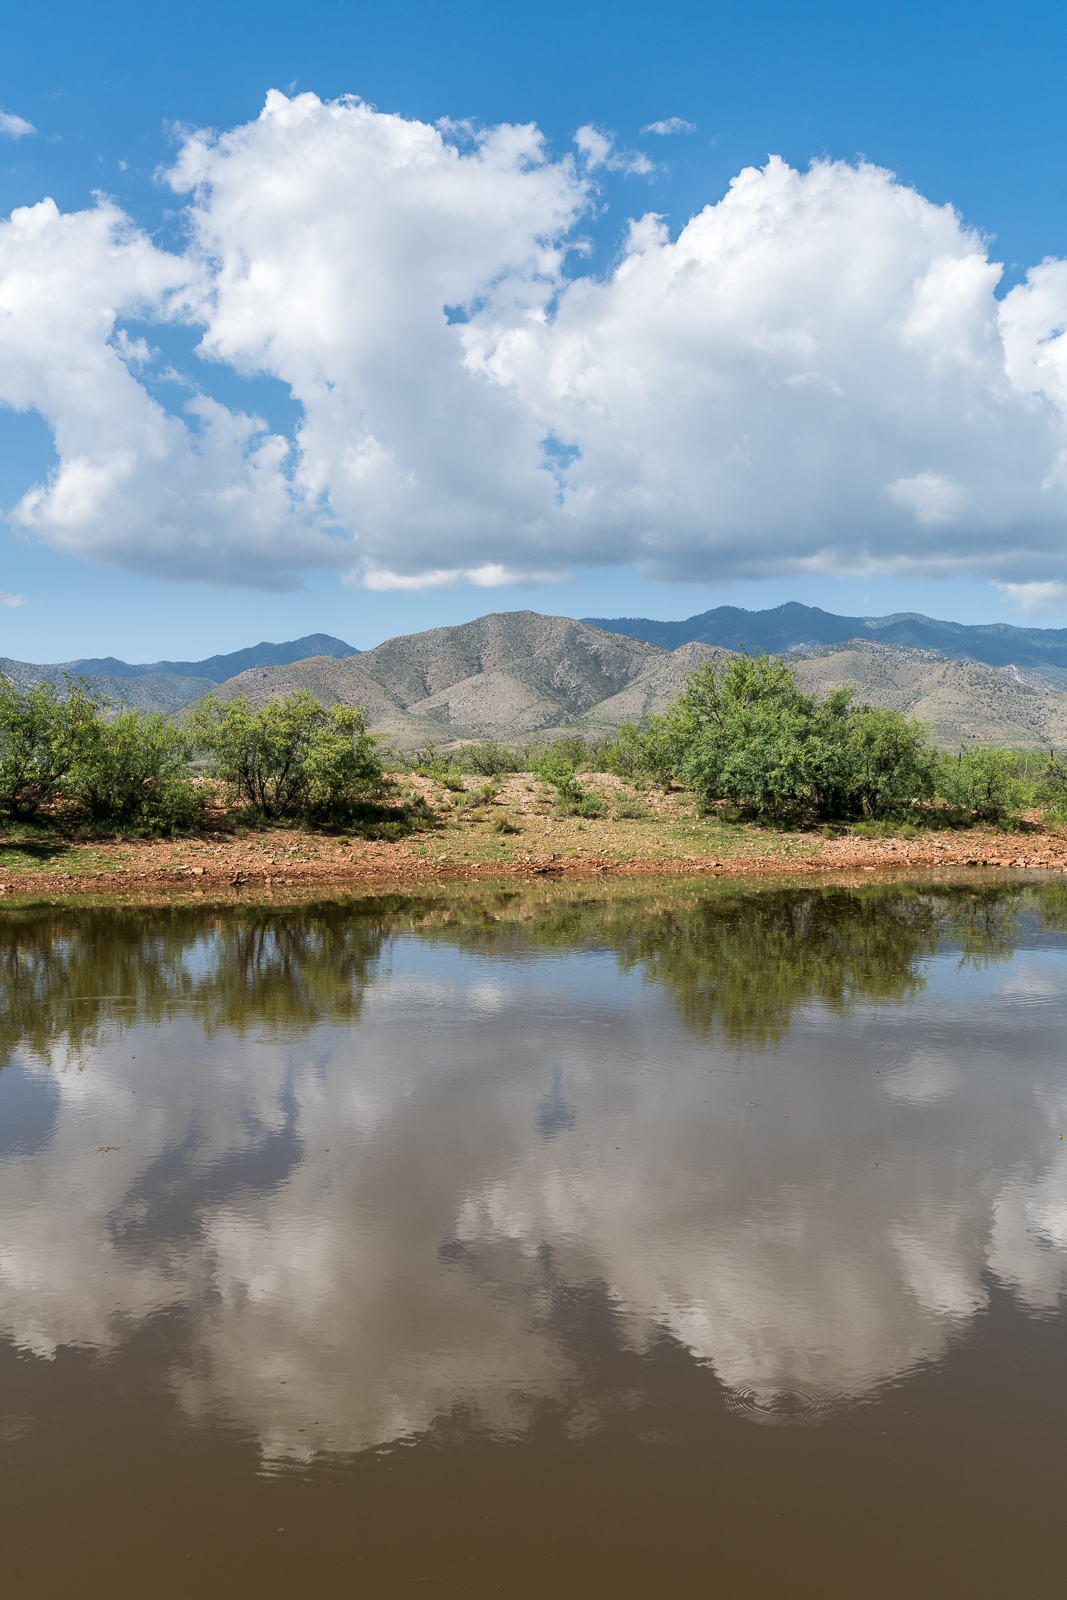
(372,1154)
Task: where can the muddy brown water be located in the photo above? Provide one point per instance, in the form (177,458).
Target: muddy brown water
(572,1241)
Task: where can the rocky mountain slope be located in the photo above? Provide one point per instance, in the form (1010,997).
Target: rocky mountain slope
(961,701)
(507,675)
(654,690)
(515,675)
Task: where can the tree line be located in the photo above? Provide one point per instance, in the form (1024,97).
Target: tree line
(741,732)
(290,757)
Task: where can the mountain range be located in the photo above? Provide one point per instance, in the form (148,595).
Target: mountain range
(505,676)
(795,627)
(167,685)
(517,674)
(219,668)
(513,675)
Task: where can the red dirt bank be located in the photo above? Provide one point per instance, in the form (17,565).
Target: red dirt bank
(143,866)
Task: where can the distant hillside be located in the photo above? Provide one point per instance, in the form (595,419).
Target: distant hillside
(153,691)
(167,685)
(794,626)
(219,668)
(962,701)
(510,670)
(505,676)
(654,690)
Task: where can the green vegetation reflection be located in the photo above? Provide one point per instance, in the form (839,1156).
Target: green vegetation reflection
(68,976)
(735,963)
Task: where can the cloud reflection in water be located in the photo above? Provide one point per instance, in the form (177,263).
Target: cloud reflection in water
(370,1197)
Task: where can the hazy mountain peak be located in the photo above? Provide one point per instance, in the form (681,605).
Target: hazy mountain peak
(792,626)
(219,668)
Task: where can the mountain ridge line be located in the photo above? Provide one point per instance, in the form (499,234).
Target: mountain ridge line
(521,674)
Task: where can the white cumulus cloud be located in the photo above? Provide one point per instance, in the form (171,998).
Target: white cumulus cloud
(600,150)
(196,495)
(814,374)
(932,497)
(1038,599)
(670,125)
(12,601)
(12,127)
(490,576)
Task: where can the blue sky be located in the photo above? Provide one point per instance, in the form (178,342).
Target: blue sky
(963,104)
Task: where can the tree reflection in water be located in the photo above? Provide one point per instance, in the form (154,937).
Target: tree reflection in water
(733,962)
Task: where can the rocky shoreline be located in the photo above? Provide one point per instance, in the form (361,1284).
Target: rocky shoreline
(397,864)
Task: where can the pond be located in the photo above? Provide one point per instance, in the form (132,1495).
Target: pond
(661,1239)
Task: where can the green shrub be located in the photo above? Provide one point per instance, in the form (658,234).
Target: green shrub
(623,753)
(1050,785)
(369,819)
(418,808)
(574,801)
(40,736)
(651,750)
(892,764)
(755,738)
(503,822)
(291,756)
(743,731)
(133,772)
(565,754)
(982,781)
(885,828)
(344,764)
(565,782)
(429,763)
(556,765)
(390,831)
(475,798)
(488,759)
